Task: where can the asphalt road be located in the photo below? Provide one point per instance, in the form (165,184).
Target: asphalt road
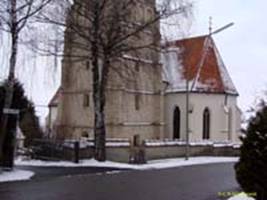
(41,173)
(202,182)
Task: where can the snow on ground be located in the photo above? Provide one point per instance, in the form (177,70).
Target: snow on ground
(15,175)
(179,162)
(241,196)
(167,142)
(155,164)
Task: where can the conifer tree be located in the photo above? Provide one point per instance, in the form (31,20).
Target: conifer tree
(28,121)
(251,170)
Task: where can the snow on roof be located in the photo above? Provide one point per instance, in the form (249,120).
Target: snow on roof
(198,61)
(227,81)
(172,68)
(55,100)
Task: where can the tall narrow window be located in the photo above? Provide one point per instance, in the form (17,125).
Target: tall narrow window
(86,100)
(85,134)
(137,67)
(88,64)
(176,123)
(137,101)
(206,124)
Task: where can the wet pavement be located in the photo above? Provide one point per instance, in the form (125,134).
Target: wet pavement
(203,182)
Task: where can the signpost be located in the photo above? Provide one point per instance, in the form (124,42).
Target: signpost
(10,111)
(9,143)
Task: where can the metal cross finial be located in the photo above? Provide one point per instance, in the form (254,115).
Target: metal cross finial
(210,25)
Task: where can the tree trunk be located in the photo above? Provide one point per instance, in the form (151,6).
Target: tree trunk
(98,90)
(100,74)
(99,107)
(99,114)
(100,130)
(11,75)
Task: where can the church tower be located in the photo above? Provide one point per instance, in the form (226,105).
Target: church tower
(134,101)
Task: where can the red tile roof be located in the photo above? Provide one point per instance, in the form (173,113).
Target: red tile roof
(201,64)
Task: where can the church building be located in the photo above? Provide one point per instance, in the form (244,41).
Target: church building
(188,76)
(195,68)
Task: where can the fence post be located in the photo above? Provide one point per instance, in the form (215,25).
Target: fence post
(76,151)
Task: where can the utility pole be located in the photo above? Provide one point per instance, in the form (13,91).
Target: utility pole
(210,26)
(187,117)
(201,62)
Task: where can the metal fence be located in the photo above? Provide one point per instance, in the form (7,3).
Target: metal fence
(45,149)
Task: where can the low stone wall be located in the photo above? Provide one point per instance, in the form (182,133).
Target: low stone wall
(124,154)
(226,151)
(160,152)
(125,151)
(118,154)
(158,149)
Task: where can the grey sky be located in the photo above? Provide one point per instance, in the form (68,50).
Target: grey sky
(242,47)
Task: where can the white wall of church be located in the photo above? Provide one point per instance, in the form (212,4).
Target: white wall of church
(225,121)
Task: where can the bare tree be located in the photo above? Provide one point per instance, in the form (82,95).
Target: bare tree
(105,31)
(14,18)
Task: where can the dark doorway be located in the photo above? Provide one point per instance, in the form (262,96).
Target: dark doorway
(206,124)
(176,123)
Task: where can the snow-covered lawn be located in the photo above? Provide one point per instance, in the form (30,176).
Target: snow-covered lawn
(15,175)
(155,164)
(241,196)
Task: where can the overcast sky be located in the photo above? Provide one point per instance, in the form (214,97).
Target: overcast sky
(242,47)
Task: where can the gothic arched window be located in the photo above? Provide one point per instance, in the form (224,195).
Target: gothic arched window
(176,123)
(206,124)
(86,100)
